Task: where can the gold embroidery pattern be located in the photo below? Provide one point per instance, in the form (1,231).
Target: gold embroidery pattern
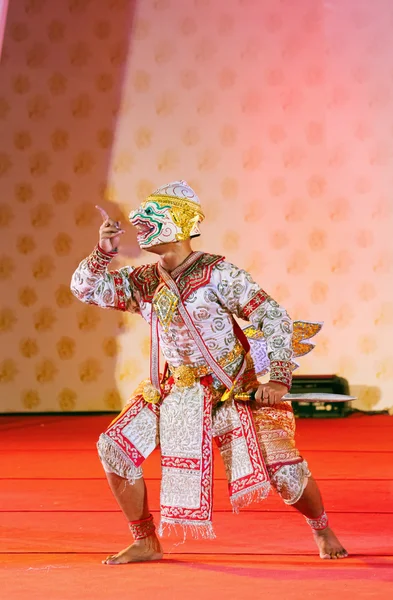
(175,202)
(275,427)
(184,376)
(302,332)
(165,304)
(185,213)
(190,373)
(151,394)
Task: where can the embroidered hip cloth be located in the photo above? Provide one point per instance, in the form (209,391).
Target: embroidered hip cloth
(253,446)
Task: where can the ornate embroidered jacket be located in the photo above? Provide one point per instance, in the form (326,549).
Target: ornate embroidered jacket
(212,290)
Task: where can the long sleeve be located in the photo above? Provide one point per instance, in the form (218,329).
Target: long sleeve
(92,283)
(243,297)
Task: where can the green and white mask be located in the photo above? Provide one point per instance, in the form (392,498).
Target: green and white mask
(172,213)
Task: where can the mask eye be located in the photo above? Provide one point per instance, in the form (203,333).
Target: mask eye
(148,210)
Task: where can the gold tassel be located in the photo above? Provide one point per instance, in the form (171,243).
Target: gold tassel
(227,395)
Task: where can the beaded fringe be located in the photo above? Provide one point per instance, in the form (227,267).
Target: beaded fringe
(256,494)
(112,456)
(197,531)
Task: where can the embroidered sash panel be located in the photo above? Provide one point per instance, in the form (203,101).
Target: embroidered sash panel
(185,425)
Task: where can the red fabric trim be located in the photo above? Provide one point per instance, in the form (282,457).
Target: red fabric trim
(98,260)
(322,522)
(259,298)
(241,336)
(259,474)
(108,254)
(228,437)
(206,380)
(146,281)
(118,281)
(140,521)
(181,463)
(277,466)
(114,431)
(143,528)
(146,278)
(198,274)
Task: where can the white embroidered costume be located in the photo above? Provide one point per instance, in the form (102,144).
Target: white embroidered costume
(191,313)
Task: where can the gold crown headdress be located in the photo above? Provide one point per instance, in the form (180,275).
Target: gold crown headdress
(185,206)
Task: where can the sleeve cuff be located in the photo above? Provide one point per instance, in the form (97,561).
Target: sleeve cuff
(108,254)
(281,372)
(98,260)
(259,298)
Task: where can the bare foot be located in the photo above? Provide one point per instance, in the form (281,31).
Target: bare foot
(140,551)
(328,544)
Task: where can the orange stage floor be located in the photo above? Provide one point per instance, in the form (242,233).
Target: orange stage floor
(58,520)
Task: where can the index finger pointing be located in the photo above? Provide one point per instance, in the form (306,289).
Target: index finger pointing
(104,214)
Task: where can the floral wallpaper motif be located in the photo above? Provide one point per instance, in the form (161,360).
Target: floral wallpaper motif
(279,113)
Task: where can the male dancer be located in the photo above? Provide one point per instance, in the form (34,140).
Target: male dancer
(189,299)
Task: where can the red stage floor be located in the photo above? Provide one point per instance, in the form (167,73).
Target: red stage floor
(58,521)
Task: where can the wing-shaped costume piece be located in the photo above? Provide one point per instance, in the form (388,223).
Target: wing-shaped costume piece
(302,332)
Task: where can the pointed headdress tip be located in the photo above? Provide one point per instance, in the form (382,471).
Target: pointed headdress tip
(177,189)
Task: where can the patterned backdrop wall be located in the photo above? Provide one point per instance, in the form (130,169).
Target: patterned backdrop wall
(278,112)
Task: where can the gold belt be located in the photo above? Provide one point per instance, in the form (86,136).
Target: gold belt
(187,375)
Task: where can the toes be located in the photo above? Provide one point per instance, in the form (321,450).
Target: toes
(112,561)
(333,554)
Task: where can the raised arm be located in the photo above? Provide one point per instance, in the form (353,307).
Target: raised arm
(93,283)
(242,296)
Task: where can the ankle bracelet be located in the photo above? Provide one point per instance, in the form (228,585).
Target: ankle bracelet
(143,528)
(320,523)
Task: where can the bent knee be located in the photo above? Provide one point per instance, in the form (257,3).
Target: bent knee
(115,461)
(290,481)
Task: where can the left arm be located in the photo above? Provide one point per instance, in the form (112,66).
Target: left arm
(238,292)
